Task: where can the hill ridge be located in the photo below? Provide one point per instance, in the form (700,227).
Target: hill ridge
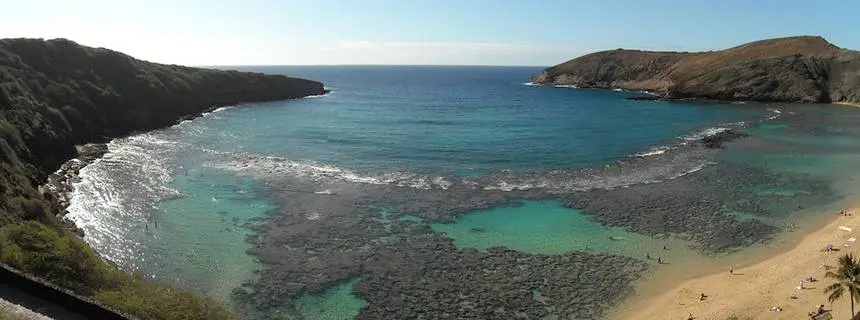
(789,69)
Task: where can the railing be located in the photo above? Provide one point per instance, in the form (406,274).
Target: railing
(57,296)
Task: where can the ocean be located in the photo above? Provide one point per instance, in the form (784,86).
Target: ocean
(457,192)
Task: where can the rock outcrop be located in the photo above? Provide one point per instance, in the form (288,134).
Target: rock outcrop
(56,94)
(793,69)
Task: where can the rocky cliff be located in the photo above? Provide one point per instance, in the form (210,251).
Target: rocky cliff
(55,94)
(794,69)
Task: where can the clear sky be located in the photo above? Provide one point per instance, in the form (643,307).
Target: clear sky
(453,32)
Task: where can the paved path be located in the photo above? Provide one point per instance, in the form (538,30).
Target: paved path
(36,304)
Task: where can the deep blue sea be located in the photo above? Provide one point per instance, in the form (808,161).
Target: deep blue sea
(185,203)
(466,120)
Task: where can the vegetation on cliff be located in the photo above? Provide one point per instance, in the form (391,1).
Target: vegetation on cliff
(794,69)
(55,94)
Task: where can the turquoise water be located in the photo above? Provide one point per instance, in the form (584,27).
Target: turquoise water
(546,227)
(335,304)
(178,204)
(207,225)
(773,126)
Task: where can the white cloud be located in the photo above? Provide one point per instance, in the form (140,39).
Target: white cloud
(469,53)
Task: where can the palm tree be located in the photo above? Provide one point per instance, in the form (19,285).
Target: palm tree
(847,280)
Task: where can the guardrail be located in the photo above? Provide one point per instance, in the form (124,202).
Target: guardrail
(58,296)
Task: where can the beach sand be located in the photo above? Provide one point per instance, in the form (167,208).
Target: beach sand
(848,104)
(750,292)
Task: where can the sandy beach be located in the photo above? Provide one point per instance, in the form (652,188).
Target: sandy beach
(848,104)
(750,292)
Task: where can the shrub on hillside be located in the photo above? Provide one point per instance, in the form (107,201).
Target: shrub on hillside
(67,261)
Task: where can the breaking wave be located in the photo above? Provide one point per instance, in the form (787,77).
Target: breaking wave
(775,113)
(319,95)
(704,133)
(622,173)
(532,84)
(652,152)
(139,165)
(265,167)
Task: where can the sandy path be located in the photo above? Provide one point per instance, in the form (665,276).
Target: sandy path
(750,292)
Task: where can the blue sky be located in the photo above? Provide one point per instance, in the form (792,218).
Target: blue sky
(454,32)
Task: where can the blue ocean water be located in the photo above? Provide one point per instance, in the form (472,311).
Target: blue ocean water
(177,204)
(467,120)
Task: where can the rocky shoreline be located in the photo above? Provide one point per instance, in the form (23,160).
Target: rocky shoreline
(804,69)
(59,186)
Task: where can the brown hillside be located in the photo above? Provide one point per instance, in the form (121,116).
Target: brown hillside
(804,68)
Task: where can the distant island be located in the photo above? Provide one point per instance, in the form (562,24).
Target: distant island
(794,69)
(56,94)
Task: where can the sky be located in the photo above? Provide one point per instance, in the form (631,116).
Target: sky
(425,32)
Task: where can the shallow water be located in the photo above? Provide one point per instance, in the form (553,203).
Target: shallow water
(550,228)
(316,188)
(336,303)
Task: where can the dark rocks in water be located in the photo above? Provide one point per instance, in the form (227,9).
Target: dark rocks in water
(407,270)
(792,69)
(91,151)
(717,140)
(435,280)
(697,206)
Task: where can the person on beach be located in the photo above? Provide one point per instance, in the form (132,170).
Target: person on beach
(731,270)
(659,260)
(648,256)
(801,284)
(691,317)
(703,297)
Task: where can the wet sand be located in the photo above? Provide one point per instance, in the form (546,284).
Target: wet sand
(751,291)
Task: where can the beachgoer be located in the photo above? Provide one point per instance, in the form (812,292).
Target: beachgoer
(731,270)
(648,256)
(801,284)
(664,248)
(659,260)
(691,317)
(702,298)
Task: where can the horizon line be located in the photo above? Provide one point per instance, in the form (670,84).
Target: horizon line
(366,65)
